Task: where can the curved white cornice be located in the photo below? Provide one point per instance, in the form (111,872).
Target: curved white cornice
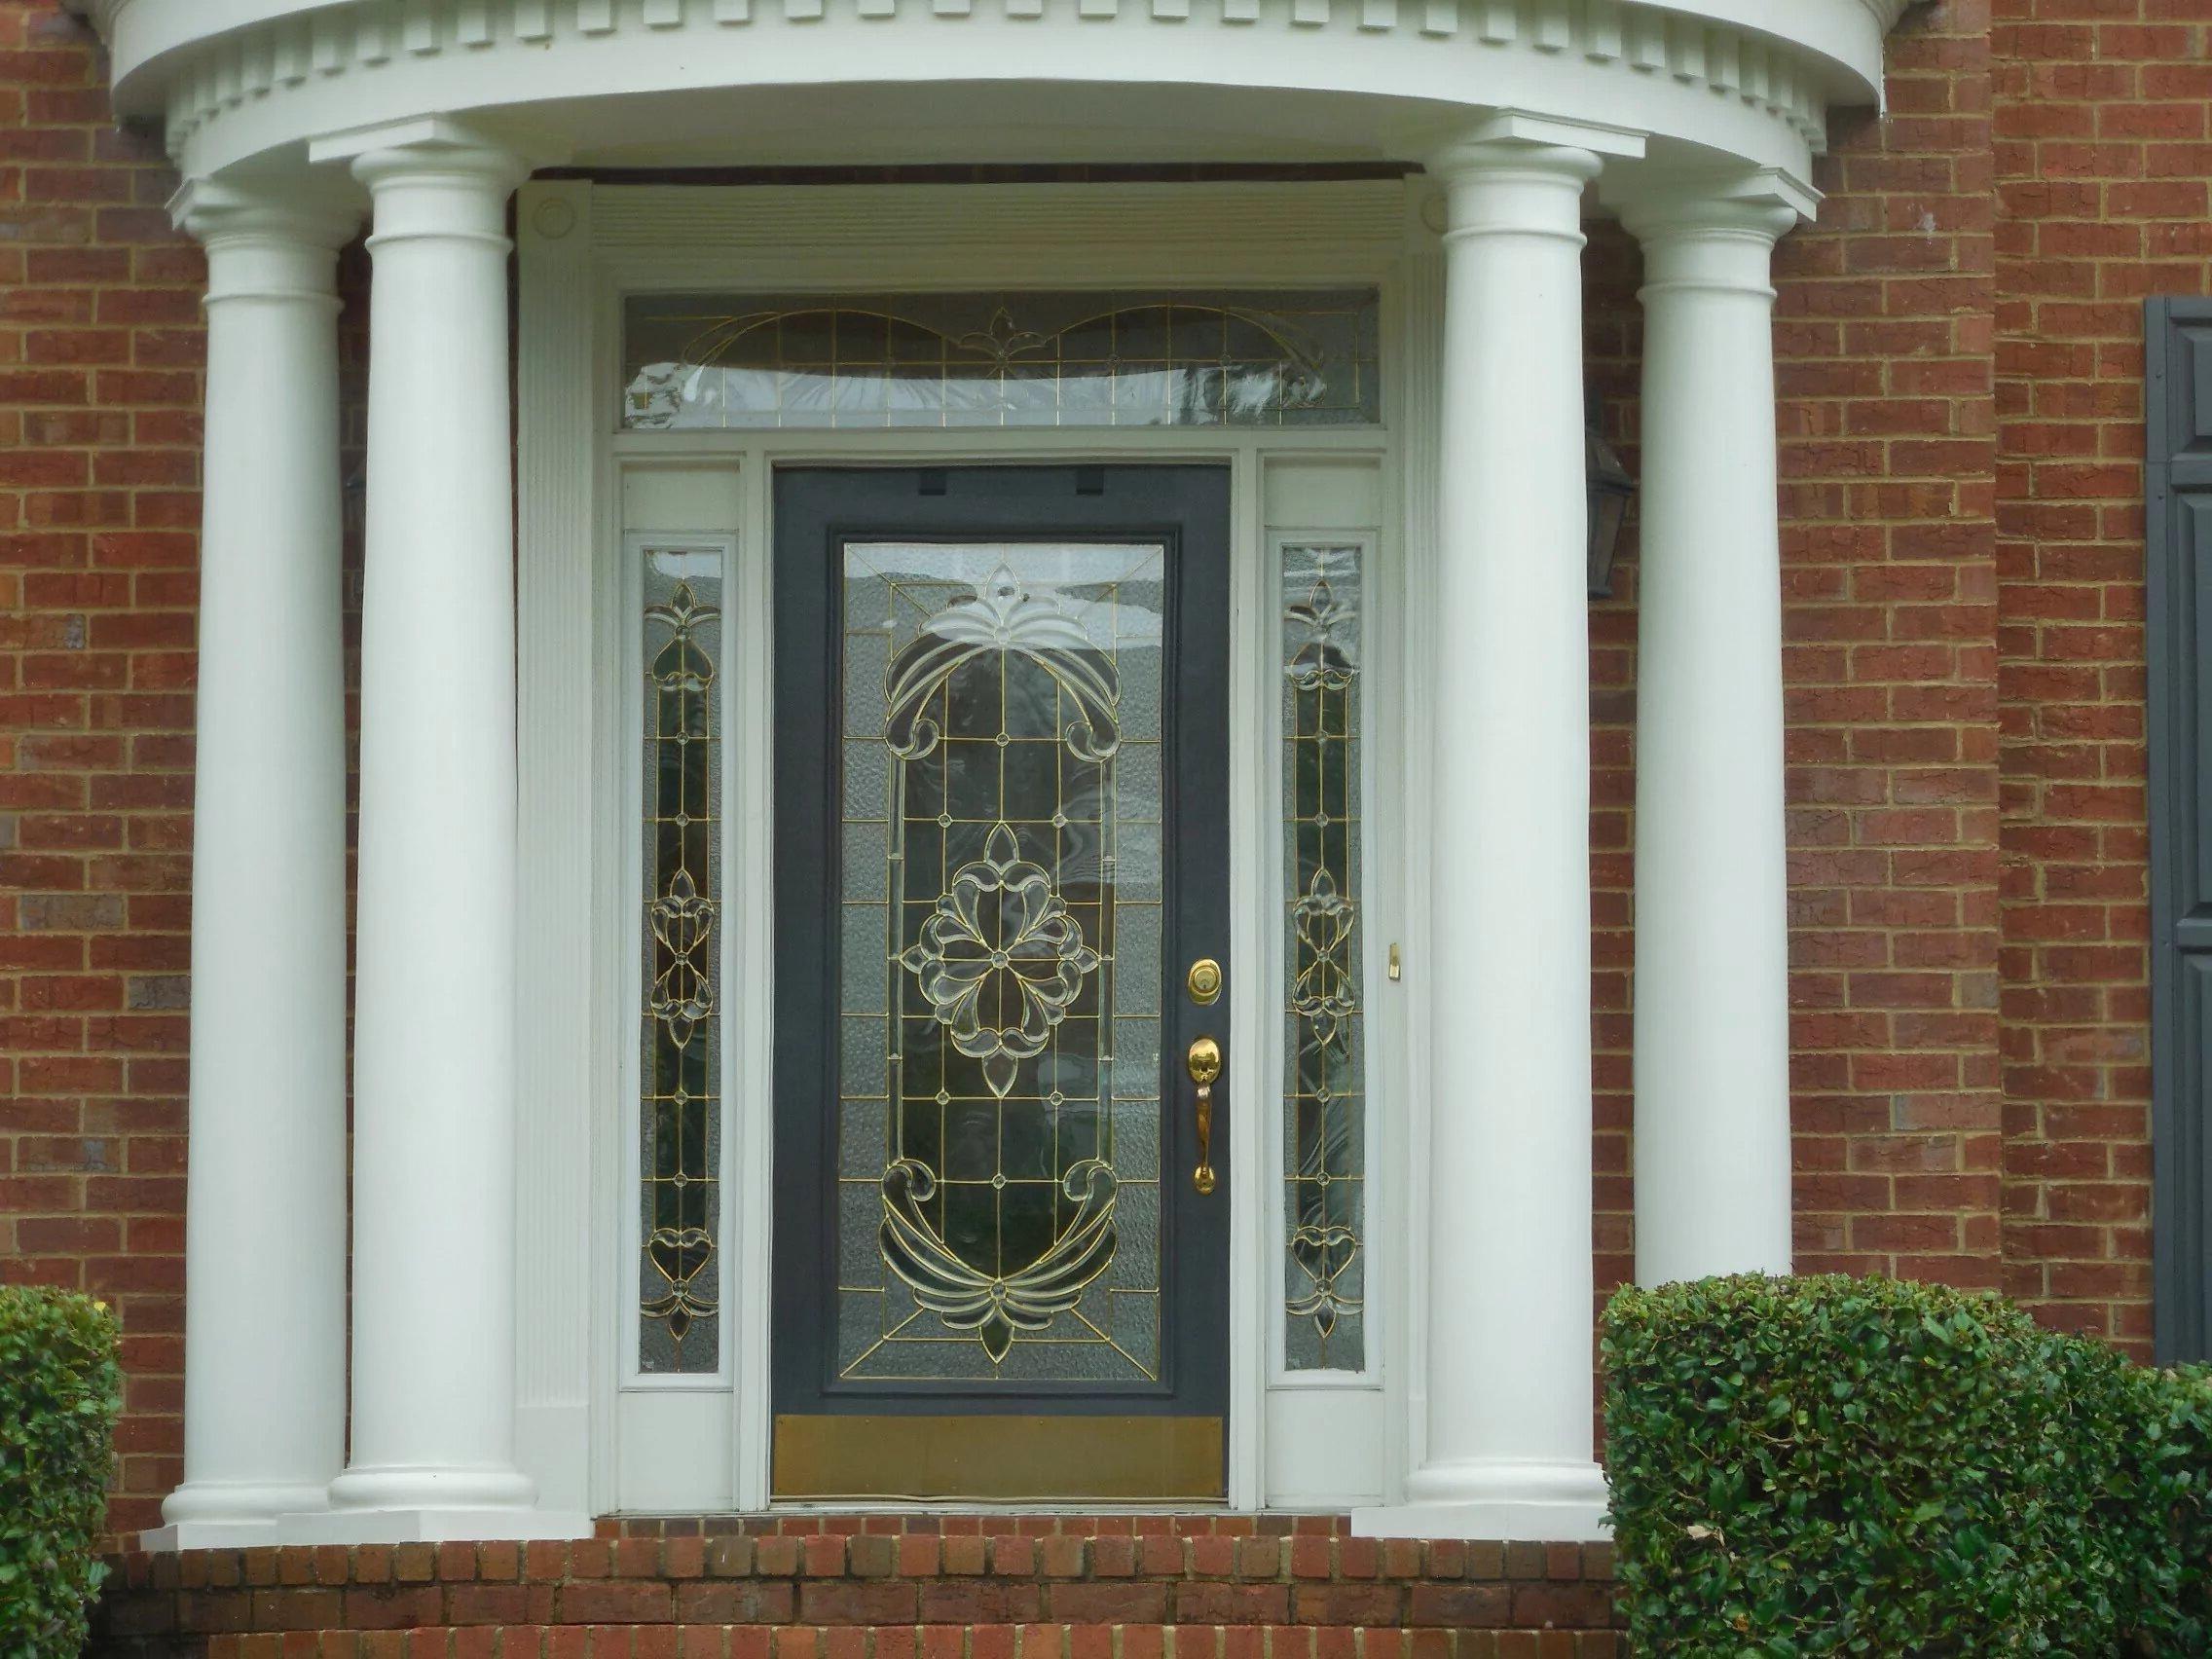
(1846,34)
(238,80)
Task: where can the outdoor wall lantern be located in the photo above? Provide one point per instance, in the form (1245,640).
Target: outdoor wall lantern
(1610,488)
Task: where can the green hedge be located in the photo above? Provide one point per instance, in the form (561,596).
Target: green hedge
(1848,1466)
(60,1392)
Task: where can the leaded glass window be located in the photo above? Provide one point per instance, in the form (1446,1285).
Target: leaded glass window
(999,1140)
(1324,1104)
(680,1122)
(1282,359)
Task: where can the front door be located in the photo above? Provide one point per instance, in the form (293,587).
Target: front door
(1002,865)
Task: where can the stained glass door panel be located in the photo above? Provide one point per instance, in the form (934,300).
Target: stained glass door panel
(1000,737)
(999,1180)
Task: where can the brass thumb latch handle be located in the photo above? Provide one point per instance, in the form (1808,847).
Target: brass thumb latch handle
(1205,1059)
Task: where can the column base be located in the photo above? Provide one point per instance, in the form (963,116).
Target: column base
(417,1503)
(175,1536)
(1497,1502)
(218,1514)
(433,1525)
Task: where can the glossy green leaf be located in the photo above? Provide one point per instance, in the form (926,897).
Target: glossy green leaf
(1841,1467)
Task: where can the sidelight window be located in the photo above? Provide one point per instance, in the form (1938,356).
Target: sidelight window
(680,1122)
(1324,1062)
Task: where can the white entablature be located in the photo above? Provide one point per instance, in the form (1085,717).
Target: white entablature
(645,82)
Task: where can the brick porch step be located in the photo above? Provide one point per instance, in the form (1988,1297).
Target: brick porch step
(934,1595)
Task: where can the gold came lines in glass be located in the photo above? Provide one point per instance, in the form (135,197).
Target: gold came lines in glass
(681,1108)
(987,1235)
(1264,358)
(1324,1095)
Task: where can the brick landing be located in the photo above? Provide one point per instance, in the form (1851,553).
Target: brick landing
(953,1588)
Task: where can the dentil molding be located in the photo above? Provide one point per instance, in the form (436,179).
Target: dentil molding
(241,80)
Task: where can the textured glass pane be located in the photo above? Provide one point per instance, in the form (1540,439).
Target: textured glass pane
(1324,1095)
(680,1117)
(998,1217)
(1279,359)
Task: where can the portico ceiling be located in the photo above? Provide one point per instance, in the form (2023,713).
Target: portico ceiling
(674,83)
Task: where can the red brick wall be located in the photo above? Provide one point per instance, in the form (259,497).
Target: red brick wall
(2103,152)
(1612,346)
(1882,344)
(1960,353)
(101,348)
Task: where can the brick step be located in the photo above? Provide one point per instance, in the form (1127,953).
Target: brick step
(895,1641)
(877,1597)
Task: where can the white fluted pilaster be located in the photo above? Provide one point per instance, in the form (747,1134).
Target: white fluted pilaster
(1509,1277)
(1711,931)
(433,1452)
(265,1230)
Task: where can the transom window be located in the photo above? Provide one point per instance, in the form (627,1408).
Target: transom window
(1279,359)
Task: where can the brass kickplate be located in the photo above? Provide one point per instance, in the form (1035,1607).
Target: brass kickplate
(1133,1459)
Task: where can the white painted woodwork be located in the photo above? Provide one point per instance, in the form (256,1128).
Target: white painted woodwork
(1251,997)
(1328,1449)
(1326,1433)
(1841,39)
(1509,1289)
(265,1300)
(1712,927)
(850,82)
(433,1406)
(560,953)
(688,484)
(673,1435)
(1401,831)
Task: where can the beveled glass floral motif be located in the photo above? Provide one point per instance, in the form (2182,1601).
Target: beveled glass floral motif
(1122,358)
(1001,946)
(680,1122)
(998,1142)
(1324,1106)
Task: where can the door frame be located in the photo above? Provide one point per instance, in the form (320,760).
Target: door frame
(583,1420)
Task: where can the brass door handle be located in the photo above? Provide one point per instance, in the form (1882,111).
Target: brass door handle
(1205,1062)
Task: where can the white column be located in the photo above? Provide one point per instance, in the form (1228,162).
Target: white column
(1510,1290)
(434,977)
(265,1219)
(1711,932)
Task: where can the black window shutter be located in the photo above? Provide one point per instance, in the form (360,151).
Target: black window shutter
(2178,485)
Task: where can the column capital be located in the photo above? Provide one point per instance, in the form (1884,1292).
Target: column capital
(1510,139)
(215,210)
(432,148)
(1519,174)
(1766,203)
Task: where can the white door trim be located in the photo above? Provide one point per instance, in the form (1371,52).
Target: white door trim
(585,1423)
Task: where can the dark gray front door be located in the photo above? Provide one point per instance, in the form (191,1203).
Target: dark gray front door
(1001,843)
